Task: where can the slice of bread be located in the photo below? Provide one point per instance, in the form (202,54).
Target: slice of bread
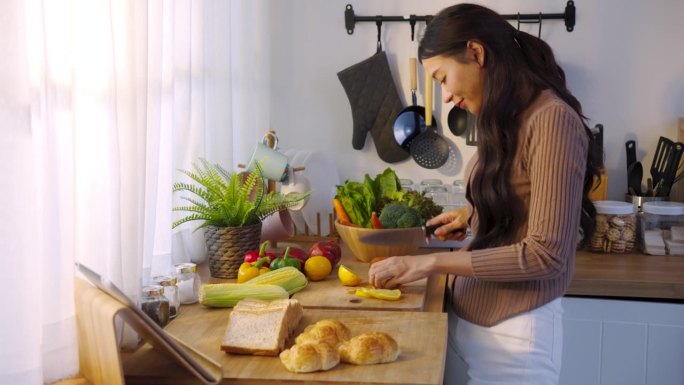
(261,327)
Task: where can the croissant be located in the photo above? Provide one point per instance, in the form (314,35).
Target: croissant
(329,331)
(310,357)
(369,348)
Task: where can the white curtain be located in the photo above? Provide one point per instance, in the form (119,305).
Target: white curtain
(101,101)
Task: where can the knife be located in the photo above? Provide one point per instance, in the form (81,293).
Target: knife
(397,237)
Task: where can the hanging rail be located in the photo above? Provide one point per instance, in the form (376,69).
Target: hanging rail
(350,19)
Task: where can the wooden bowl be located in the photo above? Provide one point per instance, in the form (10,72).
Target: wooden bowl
(406,242)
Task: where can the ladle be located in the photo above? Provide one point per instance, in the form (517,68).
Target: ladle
(458,120)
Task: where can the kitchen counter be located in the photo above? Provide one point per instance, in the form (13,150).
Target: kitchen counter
(635,276)
(416,321)
(423,333)
(625,276)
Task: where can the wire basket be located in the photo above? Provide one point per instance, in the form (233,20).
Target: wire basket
(227,246)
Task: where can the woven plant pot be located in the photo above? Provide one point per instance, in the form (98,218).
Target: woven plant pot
(227,246)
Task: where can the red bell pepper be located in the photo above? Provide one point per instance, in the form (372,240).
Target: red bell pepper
(255,255)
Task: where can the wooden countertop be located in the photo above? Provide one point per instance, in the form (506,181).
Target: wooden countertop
(420,331)
(637,276)
(421,337)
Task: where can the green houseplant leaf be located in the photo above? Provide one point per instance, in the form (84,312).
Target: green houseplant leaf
(224,199)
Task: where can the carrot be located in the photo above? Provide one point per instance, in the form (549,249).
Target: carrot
(375,221)
(341,212)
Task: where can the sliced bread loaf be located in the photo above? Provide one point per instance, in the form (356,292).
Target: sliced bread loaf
(261,327)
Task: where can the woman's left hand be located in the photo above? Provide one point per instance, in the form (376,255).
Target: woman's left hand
(394,271)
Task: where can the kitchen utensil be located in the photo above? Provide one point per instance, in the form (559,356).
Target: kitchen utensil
(630,147)
(401,236)
(295,184)
(471,135)
(429,149)
(649,187)
(457,120)
(410,122)
(675,156)
(597,133)
(660,158)
(277,226)
(375,104)
(273,163)
(634,176)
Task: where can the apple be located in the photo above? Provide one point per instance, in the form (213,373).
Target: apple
(329,249)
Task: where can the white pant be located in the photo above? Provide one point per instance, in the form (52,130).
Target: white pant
(525,349)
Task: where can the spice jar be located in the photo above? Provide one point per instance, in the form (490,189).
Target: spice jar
(615,227)
(188,282)
(170,292)
(155,305)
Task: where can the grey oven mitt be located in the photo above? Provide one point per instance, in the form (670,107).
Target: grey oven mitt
(375,104)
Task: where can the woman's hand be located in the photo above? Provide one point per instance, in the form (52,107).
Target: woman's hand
(455,223)
(394,271)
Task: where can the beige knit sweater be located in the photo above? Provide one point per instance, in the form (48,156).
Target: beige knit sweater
(547,174)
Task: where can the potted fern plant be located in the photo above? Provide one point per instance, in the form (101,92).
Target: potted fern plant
(231,208)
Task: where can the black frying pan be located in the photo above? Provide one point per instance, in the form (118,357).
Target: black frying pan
(410,122)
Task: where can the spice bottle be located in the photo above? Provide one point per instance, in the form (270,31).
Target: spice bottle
(188,282)
(170,292)
(154,304)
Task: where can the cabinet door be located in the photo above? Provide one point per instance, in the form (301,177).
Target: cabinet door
(622,342)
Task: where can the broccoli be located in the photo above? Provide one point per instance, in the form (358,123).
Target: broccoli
(399,215)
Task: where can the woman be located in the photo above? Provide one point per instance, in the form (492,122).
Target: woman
(528,199)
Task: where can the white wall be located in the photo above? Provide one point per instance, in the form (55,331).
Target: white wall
(624,61)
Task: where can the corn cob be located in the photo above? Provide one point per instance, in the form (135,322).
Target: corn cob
(229,294)
(289,278)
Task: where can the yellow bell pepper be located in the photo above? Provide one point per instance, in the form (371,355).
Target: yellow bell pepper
(249,270)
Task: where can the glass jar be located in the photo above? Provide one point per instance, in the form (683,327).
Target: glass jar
(406,184)
(155,305)
(188,282)
(662,228)
(430,182)
(457,196)
(170,292)
(438,193)
(615,227)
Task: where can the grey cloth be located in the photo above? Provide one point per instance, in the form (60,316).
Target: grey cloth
(375,104)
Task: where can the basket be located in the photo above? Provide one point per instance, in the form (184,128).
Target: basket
(227,246)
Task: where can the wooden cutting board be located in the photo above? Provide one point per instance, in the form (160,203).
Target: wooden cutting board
(421,337)
(331,294)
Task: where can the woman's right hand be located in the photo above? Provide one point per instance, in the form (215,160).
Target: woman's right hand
(451,221)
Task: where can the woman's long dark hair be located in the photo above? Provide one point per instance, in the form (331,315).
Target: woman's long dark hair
(518,67)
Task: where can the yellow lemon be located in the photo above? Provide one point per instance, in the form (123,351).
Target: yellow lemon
(386,294)
(348,277)
(317,267)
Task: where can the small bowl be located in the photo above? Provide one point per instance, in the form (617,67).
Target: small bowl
(408,240)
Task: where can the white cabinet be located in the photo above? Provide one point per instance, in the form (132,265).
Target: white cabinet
(618,342)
